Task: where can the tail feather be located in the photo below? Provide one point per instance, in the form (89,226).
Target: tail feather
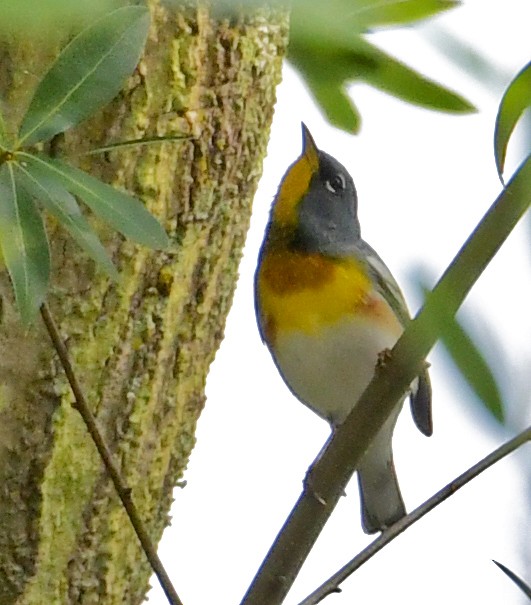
(420,400)
(381,500)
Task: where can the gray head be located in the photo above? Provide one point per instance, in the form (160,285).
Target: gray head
(328,210)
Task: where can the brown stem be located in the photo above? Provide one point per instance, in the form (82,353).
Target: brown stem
(124,492)
(332,584)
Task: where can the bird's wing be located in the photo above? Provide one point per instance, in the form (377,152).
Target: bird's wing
(420,398)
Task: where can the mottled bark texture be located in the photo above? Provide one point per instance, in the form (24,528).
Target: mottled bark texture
(142,347)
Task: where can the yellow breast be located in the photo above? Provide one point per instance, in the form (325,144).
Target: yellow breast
(305,292)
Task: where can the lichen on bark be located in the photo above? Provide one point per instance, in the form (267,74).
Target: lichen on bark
(141,347)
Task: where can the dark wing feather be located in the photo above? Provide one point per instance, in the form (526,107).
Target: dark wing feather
(420,398)
(420,401)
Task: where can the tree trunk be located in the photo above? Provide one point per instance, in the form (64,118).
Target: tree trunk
(142,347)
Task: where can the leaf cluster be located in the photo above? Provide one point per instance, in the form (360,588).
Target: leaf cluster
(456,337)
(329,46)
(87,74)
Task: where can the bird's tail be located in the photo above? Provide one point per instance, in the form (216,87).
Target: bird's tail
(381,500)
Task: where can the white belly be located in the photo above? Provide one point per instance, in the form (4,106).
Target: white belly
(329,373)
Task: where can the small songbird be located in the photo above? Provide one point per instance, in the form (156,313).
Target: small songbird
(327,307)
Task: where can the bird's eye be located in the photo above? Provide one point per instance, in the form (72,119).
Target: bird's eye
(336,183)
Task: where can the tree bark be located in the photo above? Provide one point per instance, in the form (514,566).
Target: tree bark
(142,347)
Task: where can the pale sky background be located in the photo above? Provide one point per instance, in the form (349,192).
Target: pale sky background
(432,176)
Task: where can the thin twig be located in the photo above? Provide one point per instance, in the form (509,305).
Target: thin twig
(138,143)
(332,584)
(124,492)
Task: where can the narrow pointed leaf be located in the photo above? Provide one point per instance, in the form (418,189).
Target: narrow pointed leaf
(326,74)
(469,59)
(375,13)
(24,245)
(471,364)
(329,65)
(517,580)
(87,74)
(138,143)
(356,13)
(336,104)
(124,212)
(4,139)
(61,204)
(515,101)
(31,19)
(333,98)
(396,78)
(473,367)
(345,19)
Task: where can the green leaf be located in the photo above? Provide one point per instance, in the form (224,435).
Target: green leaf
(4,138)
(24,245)
(328,47)
(124,212)
(326,74)
(55,198)
(87,74)
(171,138)
(330,93)
(336,104)
(392,76)
(329,66)
(375,13)
(473,367)
(356,13)
(459,51)
(471,363)
(518,581)
(314,20)
(515,101)
(26,18)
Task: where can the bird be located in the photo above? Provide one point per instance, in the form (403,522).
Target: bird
(327,307)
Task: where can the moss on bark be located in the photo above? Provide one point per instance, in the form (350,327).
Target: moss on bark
(142,347)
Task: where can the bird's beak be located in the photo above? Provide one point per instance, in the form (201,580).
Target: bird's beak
(296,181)
(309,149)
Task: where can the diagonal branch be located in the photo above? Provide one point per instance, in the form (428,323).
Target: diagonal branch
(332,584)
(124,492)
(329,475)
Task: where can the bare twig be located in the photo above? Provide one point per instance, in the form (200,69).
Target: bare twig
(124,492)
(332,584)
(138,143)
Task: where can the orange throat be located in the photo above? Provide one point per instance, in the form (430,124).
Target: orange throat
(306,292)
